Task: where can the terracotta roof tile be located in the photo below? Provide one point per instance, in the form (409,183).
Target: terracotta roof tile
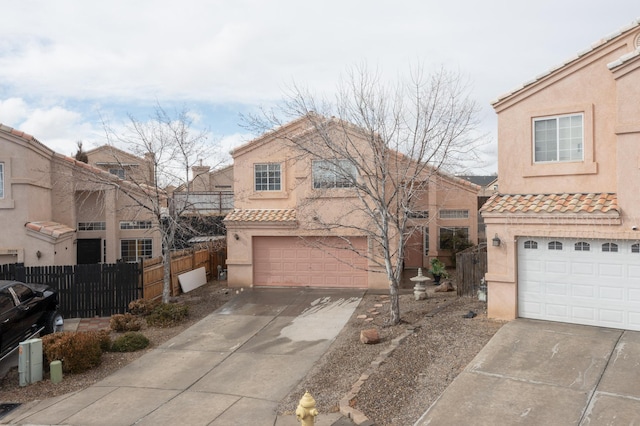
(262,215)
(552,203)
(53,229)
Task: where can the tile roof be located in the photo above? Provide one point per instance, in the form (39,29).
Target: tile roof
(593,203)
(52,229)
(261,215)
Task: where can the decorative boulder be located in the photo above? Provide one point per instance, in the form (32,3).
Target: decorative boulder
(369,336)
(445,286)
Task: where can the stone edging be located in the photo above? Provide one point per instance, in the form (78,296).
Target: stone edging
(346,409)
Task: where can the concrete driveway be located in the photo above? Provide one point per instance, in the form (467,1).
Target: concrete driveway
(231,368)
(545,373)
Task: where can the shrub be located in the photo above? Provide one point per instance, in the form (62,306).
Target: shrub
(125,322)
(142,307)
(77,351)
(168,315)
(130,342)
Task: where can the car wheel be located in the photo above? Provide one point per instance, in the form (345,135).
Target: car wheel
(54,323)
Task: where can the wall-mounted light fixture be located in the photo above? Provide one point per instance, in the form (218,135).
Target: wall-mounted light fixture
(495,241)
(38,254)
(236,236)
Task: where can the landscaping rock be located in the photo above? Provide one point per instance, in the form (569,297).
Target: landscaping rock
(370,336)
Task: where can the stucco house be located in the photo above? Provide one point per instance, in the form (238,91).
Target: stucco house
(284,197)
(563,230)
(58,211)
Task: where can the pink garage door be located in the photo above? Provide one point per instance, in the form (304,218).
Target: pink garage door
(291,261)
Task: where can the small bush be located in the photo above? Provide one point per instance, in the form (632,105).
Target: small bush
(77,351)
(125,322)
(168,315)
(130,342)
(142,307)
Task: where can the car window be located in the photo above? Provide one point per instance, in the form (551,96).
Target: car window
(23,292)
(6,301)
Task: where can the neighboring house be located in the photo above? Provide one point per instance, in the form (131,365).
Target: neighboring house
(210,193)
(58,211)
(488,186)
(123,164)
(276,236)
(565,244)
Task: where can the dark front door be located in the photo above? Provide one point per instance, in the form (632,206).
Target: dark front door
(89,251)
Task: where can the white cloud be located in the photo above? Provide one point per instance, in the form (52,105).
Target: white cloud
(13,111)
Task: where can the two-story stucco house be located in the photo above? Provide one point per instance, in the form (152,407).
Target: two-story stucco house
(564,229)
(284,232)
(55,210)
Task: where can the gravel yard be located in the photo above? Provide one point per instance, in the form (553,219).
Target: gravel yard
(439,342)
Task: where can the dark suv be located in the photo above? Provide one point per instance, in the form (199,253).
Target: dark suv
(26,310)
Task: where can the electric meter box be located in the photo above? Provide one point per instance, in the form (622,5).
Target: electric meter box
(30,361)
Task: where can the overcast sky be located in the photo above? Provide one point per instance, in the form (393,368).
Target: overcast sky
(63,64)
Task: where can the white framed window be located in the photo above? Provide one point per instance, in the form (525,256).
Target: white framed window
(418,214)
(134,249)
(531,245)
(333,174)
(117,172)
(557,139)
(1,180)
(135,224)
(268,177)
(454,214)
(582,246)
(92,226)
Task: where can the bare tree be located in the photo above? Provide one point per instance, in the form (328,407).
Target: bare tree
(387,143)
(171,147)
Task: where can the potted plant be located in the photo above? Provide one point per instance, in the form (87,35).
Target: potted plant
(438,270)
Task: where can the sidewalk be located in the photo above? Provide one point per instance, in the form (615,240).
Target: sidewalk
(232,367)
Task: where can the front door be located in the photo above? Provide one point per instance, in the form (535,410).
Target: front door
(89,251)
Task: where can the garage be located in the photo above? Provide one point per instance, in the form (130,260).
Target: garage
(591,281)
(312,261)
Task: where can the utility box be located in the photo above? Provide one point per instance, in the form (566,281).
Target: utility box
(30,361)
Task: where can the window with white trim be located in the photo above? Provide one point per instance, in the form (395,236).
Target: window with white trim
(268,177)
(135,224)
(557,139)
(1,180)
(92,226)
(454,214)
(418,214)
(333,174)
(610,247)
(582,246)
(531,245)
(134,249)
(117,172)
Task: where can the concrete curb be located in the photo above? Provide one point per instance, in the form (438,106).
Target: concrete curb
(357,416)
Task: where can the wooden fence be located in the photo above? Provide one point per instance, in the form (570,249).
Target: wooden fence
(84,291)
(471,265)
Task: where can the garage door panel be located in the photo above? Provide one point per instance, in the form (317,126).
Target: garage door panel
(584,287)
(291,261)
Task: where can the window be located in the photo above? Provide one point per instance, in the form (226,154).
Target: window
(558,138)
(1,180)
(635,248)
(555,245)
(452,237)
(135,224)
(132,250)
(582,246)
(418,214)
(531,245)
(333,174)
(117,172)
(454,214)
(267,177)
(610,247)
(425,232)
(92,226)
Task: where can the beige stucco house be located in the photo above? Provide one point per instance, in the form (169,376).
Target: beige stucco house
(285,199)
(58,211)
(566,219)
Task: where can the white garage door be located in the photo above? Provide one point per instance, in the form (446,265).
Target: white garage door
(292,261)
(591,282)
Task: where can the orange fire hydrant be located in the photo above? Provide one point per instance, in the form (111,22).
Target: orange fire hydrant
(306,411)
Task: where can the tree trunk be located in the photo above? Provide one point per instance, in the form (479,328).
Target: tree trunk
(166,287)
(395,303)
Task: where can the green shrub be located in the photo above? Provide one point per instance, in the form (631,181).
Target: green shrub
(125,322)
(130,342)
(143,307)
(77,351)
(168,315)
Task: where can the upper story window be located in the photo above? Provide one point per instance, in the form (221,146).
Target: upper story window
(92,226)
(268,177)
(333,174)
(135,224)
(419,214)
(117,172)
(559,138)
(1,180)
(454,214)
